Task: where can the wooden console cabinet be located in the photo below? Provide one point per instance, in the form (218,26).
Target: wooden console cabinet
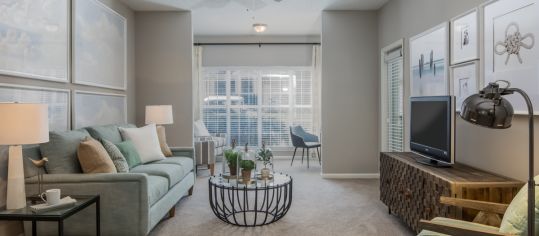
(412,190)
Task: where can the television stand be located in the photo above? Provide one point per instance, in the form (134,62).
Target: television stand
(427,161)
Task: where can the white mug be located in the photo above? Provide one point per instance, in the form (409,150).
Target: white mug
(52,196)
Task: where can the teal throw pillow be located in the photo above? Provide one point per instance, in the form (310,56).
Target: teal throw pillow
(127,148)
(116,156)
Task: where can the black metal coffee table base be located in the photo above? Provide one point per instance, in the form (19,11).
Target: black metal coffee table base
(250,206)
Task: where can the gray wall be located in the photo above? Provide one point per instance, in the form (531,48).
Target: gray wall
(164,45)
(498,151)
(349,92)
(130,17)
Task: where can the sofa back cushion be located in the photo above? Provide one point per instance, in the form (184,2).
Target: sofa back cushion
(107,132)
(94,158)
(515,219)
(61,150)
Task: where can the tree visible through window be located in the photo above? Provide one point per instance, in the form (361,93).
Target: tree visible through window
(253,105)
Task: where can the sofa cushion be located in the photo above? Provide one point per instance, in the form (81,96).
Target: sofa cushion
(157,188)
(116,156)
(185,162)
(515,219)
(61,150)
(161,135)
(107,132)
(93,157)
(457,223)
(174,173)
(146,142)
(128,150)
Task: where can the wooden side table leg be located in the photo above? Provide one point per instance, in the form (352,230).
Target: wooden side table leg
(34,228)
(97,217)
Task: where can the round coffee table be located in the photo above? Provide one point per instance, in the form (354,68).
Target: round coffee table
(261,202)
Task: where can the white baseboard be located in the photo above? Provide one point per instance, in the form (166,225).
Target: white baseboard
(350,176)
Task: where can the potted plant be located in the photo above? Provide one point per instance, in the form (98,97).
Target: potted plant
(264,155)
(246,167)
(232,159)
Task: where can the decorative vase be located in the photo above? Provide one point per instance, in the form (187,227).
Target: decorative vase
(265,173)
(246,176)
(232,170)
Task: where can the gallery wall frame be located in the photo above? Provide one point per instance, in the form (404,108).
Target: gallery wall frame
(46,51)
(97,108)
(429,62)
(465,81)
(465,36)
(92,63)
(511,48)
(59,111)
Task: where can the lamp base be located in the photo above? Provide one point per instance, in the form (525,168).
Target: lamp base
(16,193)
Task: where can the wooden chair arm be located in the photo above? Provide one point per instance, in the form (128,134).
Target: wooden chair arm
(453,230)
(491,207)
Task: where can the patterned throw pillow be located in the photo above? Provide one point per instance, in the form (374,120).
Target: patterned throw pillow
(116,155)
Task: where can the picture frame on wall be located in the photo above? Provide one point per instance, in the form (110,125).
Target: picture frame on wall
(99,45)
(58,101)
(465,79)
(465,37)
(511,47)
(94,108)
(429,62)
(34,39)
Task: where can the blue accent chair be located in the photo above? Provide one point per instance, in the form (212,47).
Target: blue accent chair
(304,140)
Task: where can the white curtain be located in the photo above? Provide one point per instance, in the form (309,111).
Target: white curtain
(317,82)
(197,82)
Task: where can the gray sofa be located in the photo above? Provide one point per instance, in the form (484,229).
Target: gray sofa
(131,203)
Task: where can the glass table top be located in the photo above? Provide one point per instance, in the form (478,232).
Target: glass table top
(82,201)
(275,180)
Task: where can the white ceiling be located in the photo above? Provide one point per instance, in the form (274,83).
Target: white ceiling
(235,17)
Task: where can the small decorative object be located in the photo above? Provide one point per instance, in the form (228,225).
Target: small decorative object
(232,159)
(265,156)
(40,165)
(465,78)
(429,53)
(465,37)
(510,50)
(246,170)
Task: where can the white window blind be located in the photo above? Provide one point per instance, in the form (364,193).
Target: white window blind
(253,105)
(395,122)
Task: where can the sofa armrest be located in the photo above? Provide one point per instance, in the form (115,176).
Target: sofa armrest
(183,151)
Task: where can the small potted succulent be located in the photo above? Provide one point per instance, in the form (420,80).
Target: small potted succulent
(264,155)
(246,167)
(232,159)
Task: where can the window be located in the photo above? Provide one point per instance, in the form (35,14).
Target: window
(253,105)
(392,99)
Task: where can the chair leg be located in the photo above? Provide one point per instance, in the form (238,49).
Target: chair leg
(302,155)
(172,212)
(319,159)
(211,167)
(295,149)
(308,157)
(190,192)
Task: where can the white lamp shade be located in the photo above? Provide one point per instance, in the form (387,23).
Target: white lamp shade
(159,115)
(23,123)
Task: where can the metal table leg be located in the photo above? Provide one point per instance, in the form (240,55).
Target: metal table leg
(34,226)
(97,218)
(60,228)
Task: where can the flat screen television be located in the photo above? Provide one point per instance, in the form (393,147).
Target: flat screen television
(432,122)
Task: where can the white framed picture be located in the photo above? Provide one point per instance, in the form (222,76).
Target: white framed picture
(58,101)
(465,81)
(429,62)
(93,108)
(511,50)
(99,45)
(34,39)
(465,37)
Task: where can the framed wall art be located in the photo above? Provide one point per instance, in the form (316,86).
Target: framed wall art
(429,62)
(92,108)
(465,37)
(99,45)
(34,39)
(465,81)
(58,101)
(511,50)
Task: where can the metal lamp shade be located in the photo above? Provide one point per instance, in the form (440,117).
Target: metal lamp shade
(492,113)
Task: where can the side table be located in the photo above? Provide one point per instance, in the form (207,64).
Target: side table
(59,215)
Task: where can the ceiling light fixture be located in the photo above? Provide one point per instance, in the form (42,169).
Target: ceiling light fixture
(259,28)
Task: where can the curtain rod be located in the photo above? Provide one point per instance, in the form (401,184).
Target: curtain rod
(259,44)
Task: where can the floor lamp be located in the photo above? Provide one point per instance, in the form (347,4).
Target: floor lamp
(489,109)
(20,124)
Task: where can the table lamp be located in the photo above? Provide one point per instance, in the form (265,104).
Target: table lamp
(21,124)
(160,115)
(489,109)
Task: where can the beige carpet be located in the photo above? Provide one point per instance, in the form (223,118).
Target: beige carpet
(319,207)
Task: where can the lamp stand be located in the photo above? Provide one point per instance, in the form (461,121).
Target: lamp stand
(531,181)
(16,195)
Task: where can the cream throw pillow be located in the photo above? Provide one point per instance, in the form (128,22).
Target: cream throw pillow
(93,157)
(146,142)
(163,141)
